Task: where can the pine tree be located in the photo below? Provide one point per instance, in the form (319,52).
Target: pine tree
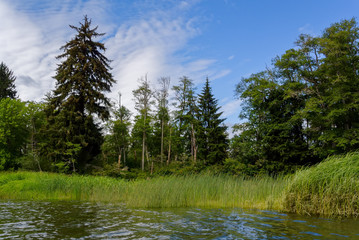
(212,138)
(81,80)
(7,82)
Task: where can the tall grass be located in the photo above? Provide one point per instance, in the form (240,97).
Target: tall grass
(173,191)
(329,188)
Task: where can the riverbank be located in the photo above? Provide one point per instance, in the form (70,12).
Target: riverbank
(330,188)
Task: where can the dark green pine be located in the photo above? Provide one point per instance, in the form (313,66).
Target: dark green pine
(7,82)
(211,134)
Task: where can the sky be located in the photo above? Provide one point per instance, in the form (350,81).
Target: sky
(224,40)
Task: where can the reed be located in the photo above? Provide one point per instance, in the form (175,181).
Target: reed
(330,188)
(173,191)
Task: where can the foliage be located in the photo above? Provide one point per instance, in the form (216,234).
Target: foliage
(329,188)
(214,191)
(7,82)
(81,80)
(305,108)
(13,132)
(184,134)
(142,128)
(211,135)
(117,142)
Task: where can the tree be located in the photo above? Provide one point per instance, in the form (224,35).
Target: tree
(81,81)
(143,102)
(272,126)
(36,120)
(162,115)
(118,140)
(212,138)
(13,132)
(185,104)
(7,82)
(304,108)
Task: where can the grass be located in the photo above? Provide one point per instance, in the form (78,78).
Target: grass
(174,191)
(331,188)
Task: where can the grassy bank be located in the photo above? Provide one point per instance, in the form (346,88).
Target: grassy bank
(330,188)
(173,191)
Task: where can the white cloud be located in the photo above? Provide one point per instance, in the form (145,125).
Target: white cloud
(152,44)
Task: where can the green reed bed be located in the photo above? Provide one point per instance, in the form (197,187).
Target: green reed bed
(207,191)
(173,191)
(330,188)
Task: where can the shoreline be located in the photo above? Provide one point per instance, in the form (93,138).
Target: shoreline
(327,189)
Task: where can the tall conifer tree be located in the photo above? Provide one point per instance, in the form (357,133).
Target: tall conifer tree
(212,138)
(81,81)
(7,82)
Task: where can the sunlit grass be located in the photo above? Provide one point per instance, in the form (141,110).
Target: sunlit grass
(330,188)
(173,191)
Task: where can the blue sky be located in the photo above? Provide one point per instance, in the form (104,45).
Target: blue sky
(222,39)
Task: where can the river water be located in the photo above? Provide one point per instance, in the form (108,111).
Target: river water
(81,220)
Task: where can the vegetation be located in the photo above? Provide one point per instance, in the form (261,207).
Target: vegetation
(174,191)
(7,82)
(305,108)
(295,114)
(73,137)
(330,188)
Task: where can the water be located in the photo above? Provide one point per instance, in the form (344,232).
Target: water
(79,220)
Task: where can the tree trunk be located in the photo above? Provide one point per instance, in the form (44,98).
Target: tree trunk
(33,145)
(162,130)
(124,157)
(194,144)
(169,148)
(119,160)
(143,150)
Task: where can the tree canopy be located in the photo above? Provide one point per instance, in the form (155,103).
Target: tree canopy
(7,82)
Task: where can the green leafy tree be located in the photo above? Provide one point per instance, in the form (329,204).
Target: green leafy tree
(184,117)
(212,137)
(143,97)
(36,120)
(162,117)
(306,107)
(81,82)
(13,132)
(7,82)
(272,127)
(117,142)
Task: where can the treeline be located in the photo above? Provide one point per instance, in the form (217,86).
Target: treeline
(77,129)
(305,107)
(295,113)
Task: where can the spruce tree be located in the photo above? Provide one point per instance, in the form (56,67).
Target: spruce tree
(81,81)
(211,137)
(7,82)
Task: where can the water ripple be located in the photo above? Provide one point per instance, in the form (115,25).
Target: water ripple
(79,220)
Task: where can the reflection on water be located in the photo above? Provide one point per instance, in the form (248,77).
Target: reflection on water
(78,220)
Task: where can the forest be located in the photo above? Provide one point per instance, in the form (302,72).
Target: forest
(297,112)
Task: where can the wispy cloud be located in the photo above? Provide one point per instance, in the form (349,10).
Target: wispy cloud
(152,42)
